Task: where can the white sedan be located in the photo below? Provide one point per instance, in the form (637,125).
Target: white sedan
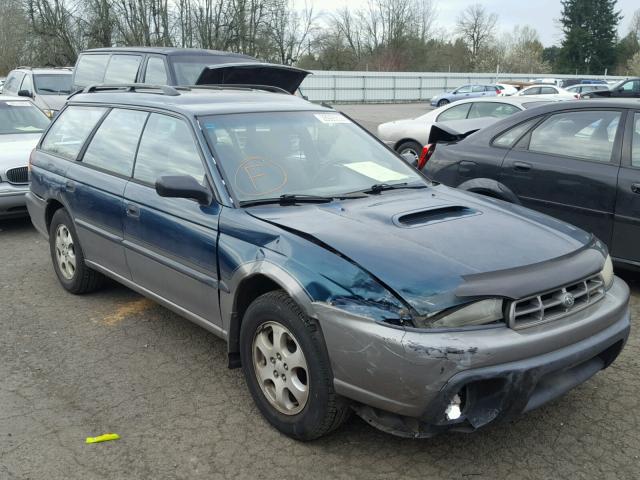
(21,125)
(549,92)
(409,136)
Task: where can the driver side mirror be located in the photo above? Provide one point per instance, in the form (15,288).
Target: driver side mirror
(25,93)
(183,186)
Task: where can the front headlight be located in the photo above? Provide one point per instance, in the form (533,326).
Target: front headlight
(607,273)
(478,313)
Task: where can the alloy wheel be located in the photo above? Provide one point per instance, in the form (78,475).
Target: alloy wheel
(281,368)
(65,252)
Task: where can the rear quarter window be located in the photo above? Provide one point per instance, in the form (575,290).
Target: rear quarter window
(90,69)
(70,130)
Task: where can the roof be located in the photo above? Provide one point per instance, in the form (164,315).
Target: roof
(167,51)
(202,101)
(13,98)
(48,70)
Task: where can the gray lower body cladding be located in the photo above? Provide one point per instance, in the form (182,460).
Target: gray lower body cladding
(403,381)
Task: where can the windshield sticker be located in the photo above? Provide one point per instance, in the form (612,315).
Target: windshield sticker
(331,118)
(18,104)
(377,172)
(258,176)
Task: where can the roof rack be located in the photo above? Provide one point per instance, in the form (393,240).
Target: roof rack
(134,87)
(242,86)
(25,67)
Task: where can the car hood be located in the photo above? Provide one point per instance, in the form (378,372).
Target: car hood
(15,149)
(423,244)
(253,73)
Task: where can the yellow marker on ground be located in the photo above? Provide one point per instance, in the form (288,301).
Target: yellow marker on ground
(103,438)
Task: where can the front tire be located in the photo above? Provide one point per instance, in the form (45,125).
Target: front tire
(287,368)
(443,102)
(67,257)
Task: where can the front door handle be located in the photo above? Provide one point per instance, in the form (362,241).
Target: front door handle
(521,166)
(635,188)
(133,210)
(70,186)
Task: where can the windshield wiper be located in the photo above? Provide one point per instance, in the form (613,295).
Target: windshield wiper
(294,198)
(381,187)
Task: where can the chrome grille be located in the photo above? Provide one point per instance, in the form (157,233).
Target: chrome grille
(557,303)
(18,175)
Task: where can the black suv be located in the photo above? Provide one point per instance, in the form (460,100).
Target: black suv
(180,66)
(629,88)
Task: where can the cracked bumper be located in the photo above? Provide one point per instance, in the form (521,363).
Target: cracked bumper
(12,200)
(403,380)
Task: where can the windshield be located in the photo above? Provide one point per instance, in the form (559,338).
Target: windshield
(58,84)
(266,155)
(21,117)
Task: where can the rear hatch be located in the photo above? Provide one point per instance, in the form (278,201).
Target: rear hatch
(248,73)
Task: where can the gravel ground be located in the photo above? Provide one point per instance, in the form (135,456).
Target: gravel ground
(78,366)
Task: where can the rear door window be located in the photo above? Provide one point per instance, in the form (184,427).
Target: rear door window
(510,137)
(70,130)
(457,112)
(113,147)
(477,88)
(587,135)
(532,91)
(90,69)
(156,72)
(122,69)
(167,148)
(548,91)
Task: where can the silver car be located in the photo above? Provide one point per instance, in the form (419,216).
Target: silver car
(47,87)
(21,125)
(407,137)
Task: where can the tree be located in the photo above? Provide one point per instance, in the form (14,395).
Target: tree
(524,52)
(590,30)
(634,65)
(476,27)
(14,28)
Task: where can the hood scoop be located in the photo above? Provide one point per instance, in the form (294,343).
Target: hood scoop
(436,214)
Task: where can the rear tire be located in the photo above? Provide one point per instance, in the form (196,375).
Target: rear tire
(275,331)
(443,102)
(67,257)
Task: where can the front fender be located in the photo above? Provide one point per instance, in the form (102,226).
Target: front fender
(492,188)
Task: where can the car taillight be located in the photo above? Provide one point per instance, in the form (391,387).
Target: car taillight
(427,152)
(498,92)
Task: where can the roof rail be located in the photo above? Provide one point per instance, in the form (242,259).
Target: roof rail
(25,67)
(242,86)
(134,87)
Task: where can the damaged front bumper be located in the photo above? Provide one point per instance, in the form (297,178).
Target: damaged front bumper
(404,380)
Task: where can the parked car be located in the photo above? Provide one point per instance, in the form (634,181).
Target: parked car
(463,92)
(21,125)
(550,92)
(506,89)
(629,88)
(179,66)
(2,83)
(298,245)
(47,87)
(569,82)
(546,81)
(579,163)
(408,137)
(583,88)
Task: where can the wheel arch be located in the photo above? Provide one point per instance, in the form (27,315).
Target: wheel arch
(248,283)
(404,140)
(53,205)
(490,188)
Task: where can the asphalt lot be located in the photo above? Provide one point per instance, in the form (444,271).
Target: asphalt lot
(78,366)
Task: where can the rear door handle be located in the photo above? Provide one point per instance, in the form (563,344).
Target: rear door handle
(70,186)
(133,210)
(635,188)
(521,166)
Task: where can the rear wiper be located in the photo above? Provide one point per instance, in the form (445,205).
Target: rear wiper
(381,187)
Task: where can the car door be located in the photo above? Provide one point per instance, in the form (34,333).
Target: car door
(626,231)
(478,91)
(170,243)
(567,167)
(462,92)
(97,183)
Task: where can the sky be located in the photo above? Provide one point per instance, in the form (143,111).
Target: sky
(543,15)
